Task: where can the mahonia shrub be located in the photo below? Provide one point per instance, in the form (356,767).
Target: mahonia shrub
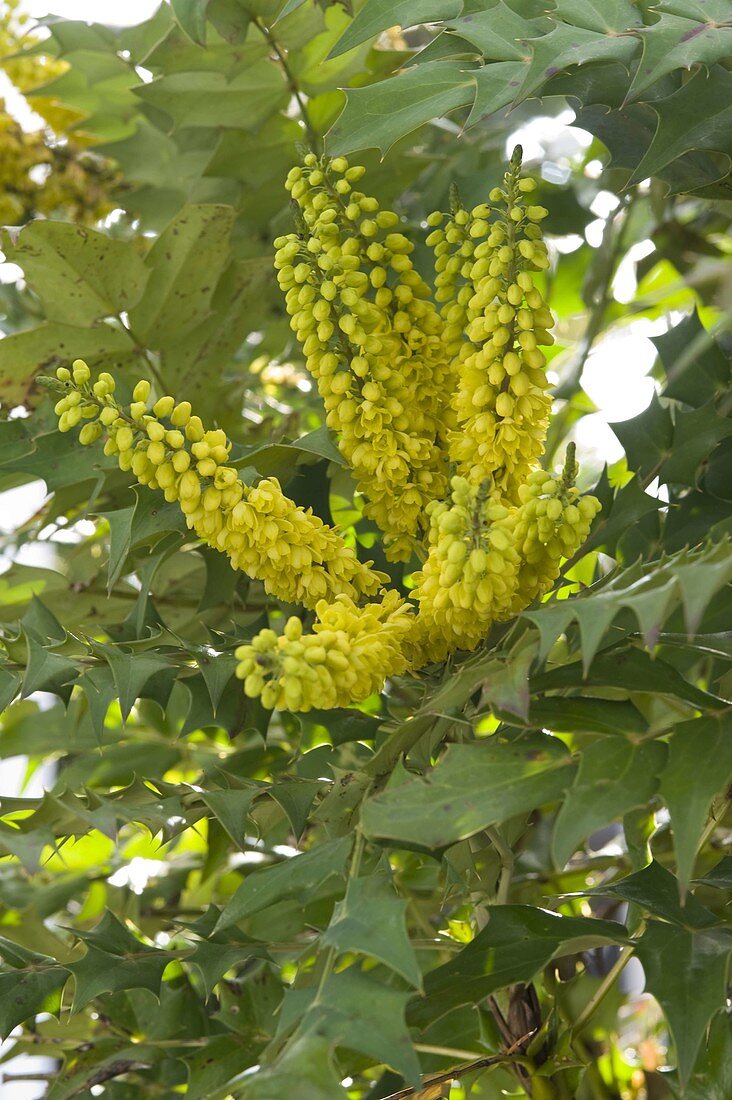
(438,398)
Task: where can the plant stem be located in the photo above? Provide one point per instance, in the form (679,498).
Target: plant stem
(506,856)
(280,53)
(604,988)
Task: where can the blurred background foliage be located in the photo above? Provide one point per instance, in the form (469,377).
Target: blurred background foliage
(141,173)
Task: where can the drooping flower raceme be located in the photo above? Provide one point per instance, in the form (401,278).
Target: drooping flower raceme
(297,556)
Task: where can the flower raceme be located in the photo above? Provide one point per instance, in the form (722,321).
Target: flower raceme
(373,341)
(298,557)
(348,655)
(414,391)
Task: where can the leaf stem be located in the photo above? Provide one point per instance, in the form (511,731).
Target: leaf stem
(281,54)
(604,988)
(506,856)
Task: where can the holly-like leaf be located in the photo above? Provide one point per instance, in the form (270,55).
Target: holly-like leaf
(377,15)
(699,767)
(305,1068)
(677,42)
(686,973)
(115,960)
(498,32)
(370,920)
(472,787)
(358,1013)
(377,116)
(516,943)
(698,116)
(567,45)
(231,808)
(298,877)
(191,18)
(656,890)
(48,671)
(131,672)
(614,777)
(185,263)
(79,274)
(23,993)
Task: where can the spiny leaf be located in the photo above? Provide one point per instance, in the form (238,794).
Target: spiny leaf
(377,116)
(377,15)
(191,17)
(614,776)
(79,274)
(686,972)
(516,943)
(699,767)
(698,116)
(677,42)
(565,46)
(472,787)
(370,920)
(297,877)
(359,1013)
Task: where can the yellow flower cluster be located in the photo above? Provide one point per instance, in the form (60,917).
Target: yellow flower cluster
(372,339)
(414,387)
(471,572)
(501,405)
(297,556)
(348,655)
(552,522)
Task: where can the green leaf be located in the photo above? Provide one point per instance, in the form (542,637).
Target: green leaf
(221,1060)
(305,1068)
(217,670)
(720,875)
(656,890)
(614,777)
(296,797)
(297,877)
(378,15)
(80,275)
(498,32)
(698,116)
(42,349)
(231,808)
(496,85)
(516,943)
(358,1013)
(115,960)
(185,263)
(565,46)
(472,787)
(712,1076)
(699,767)
(377,116)
(371,921)
(603,16)
(142,524)
(191,18)
(48,671)
(696,433)
(23,993)
(209,99)
(676,42)
(686,973)
(647,438)
(131,672)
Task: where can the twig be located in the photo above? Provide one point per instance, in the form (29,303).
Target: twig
(313,139)
(604,988)
(460,1070)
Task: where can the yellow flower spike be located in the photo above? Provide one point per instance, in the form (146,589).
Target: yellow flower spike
(297,556)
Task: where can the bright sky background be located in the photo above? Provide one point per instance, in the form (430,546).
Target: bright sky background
(120,12)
